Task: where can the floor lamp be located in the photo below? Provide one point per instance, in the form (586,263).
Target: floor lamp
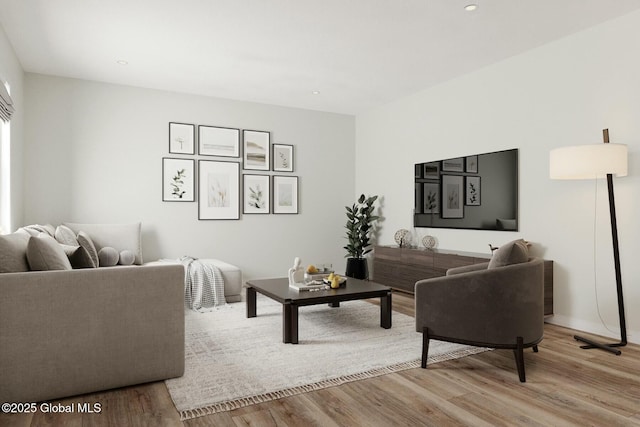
(589,162)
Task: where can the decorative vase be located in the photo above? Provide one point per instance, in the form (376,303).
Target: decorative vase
(402,237)
(429,242)
(357,268)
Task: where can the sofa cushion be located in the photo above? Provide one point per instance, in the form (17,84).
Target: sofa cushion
(45,253)
(118,236)
(108,257)
(514,252)
(13,253)
(87,243)
(66,236)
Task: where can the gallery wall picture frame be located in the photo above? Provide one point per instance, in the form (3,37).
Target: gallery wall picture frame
(452,196)
(472,191)
(256,150)
(453,165)
(218,141)
(256,191)
(182,138)
(178,180)
(431,198)
(285,194)
(218,190)
(431,170)
(282,158)
(418,197)
(471,164)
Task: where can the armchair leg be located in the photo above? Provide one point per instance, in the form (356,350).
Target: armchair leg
(535,348)
(425,347)
(519,354)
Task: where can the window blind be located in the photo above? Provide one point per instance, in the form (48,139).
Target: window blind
(6,104)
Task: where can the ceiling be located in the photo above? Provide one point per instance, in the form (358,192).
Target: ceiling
(357,53)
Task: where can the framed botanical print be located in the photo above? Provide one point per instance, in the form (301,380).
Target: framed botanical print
(431,198)
(256,150)
(218,141)
(182,138)
(452,196)
(282,158)
(471,164)
(472,191)
(178,180)
(256,191)
(218,189)
(285,194)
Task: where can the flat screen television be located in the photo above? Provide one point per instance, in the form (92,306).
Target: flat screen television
(478,192)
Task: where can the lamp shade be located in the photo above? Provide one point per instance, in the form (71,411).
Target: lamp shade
(588,161)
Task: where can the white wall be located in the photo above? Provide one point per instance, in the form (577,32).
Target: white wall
(11,72)
(95,155)
(560,94)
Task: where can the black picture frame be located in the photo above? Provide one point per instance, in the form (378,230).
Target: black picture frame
(178,180)
(453,165)
(282,158)
(182,137)
(256,150)
(472,191)
(284,192)
(256,191)
(452,192)
(218,190)
(218,141)
(471,164)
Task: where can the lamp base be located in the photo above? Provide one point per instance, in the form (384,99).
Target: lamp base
(606,347)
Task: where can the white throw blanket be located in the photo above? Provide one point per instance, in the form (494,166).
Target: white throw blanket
(203,285)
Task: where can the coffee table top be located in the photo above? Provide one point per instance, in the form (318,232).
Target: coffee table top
(279,290)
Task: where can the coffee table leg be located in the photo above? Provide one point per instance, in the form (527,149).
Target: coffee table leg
(294,324)
(334,304)
(286,323)
(251,302)
(385,311)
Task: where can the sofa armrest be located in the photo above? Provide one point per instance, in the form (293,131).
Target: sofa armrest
(467,268)
(65,333)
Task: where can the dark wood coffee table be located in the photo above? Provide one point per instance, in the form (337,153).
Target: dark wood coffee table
(278,290)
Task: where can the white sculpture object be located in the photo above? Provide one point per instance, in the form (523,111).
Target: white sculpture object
(296,273)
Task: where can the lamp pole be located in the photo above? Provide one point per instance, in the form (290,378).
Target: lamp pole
(616,259)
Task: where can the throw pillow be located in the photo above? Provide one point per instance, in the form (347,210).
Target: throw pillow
(86,243)
(514,252)
(108,257)
(126,258)
(80,258)
(119,236)
(13,253)
(66,236)
(44,253)
(36,229)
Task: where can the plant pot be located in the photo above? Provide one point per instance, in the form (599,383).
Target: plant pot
(357,268)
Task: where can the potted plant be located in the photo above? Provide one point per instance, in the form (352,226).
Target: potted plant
(360,217)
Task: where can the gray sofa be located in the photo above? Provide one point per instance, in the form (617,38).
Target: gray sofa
(64,333)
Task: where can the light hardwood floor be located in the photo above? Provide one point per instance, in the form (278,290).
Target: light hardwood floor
(565,386)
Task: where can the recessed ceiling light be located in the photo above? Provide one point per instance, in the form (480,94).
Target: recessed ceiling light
(470,7)
(316,92)
(122,62)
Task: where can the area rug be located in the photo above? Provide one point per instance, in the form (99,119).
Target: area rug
(233,361)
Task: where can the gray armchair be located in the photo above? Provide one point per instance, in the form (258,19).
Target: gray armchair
(501,307)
